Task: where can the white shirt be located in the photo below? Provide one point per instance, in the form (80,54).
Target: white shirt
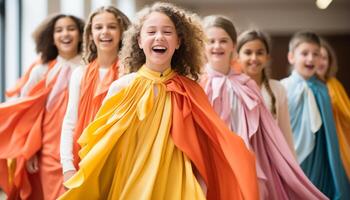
(71,117)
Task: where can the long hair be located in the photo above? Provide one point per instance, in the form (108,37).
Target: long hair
(251,35)
(332,59)
(187,59)
(43,36)
(90,49)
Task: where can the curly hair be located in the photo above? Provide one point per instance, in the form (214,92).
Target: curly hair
(89,47)
(251,35)
(43,36)
(187,59)
(332,59)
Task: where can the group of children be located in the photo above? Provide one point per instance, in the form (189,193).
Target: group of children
(173,107)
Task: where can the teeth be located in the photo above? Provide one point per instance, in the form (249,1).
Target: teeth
(159,48)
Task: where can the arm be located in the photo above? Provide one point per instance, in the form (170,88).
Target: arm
(283,118)
(35,76)
(70,120)
(119,84)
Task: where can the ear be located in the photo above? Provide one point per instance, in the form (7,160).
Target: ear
(291,57)
(178,44)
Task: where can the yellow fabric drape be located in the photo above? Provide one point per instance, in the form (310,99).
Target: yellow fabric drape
(341,111)
(128,153)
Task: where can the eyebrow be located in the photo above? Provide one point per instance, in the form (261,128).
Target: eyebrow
(161,27)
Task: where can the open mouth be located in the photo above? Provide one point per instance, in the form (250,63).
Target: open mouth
(310,67)
(66,41)
(159,49)
(217,53)
(106,40)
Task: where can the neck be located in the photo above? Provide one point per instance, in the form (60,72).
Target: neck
(156,68)
(106,59)
(68,56)
(224,69)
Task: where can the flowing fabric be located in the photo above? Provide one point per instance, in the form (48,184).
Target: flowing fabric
(50,169)
(92,92)
(149,139)
(305,118)
(20,83)
(280,176)
(21,136)
(323,166)
(341,111)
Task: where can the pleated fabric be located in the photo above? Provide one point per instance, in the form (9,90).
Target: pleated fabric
(279,174)
(154,139)
(341,111)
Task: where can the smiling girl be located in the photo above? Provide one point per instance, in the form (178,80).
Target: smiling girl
(254,55)
(326,71)
(156,136)
(29,125)
(89,84)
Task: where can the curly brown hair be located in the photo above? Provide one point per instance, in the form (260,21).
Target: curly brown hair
(89,47)
(43,36)
(187,59)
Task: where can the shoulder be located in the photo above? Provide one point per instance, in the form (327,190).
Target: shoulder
(122,82)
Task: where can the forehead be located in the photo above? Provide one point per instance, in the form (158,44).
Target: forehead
(157,19)
(104,17)
(254,44)
(309,46)
(64,21)
(216,32)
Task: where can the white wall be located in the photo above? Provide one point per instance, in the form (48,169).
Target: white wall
(11,43)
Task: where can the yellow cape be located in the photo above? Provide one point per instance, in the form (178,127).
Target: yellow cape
(134,126)
(341,111)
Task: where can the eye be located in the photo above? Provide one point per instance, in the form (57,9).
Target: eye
(247,52)
(97,27)
(58,30)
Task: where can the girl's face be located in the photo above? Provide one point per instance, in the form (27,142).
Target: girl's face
(253,57)
(219,47)
(105,32)
(304,59)
(323,64)
(66,37)
(159,40)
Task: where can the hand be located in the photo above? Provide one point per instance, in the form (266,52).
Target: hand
(32,165)
(68,174)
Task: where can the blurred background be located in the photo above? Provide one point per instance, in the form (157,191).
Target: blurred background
(279,18)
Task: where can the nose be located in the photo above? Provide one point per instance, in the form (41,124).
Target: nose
(254,56)
(159,36)
(216,44)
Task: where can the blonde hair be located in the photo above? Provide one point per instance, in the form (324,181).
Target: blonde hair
(187,59)
(332,59)
(251,35)
(89,47)
(303,37)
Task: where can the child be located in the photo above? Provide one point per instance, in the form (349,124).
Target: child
(89,85)
(238,101)
(311,119)
(156,136)
(254,54)
(29,126)
(326,71)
